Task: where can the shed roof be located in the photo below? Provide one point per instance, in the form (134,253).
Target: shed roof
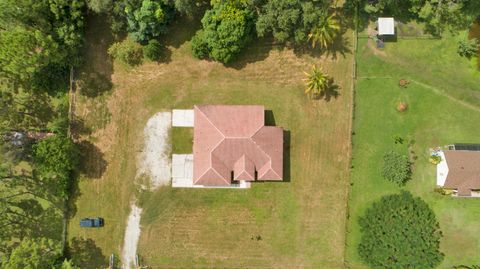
(386,26)
(235,139)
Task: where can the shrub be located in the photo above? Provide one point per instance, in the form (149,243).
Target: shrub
(468,48)
(127,52)
(396,168)
(443,191)
(400,231)
(435,159)
(199,45)
(153,51)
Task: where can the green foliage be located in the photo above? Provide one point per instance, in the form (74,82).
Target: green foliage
(100,6)
(325,32)
(186,6)
(25,52)
(127,52)
(38,37)
(68,265)
(396,168)
(316,81)
(290,20)
(33,254)
(443,191)
(435,159)
(23,111)
(227,27)
(55,158)
(200,47)
(437,15)
(68,23)
(147,21)
(400,231)
(153,51)
(468,48)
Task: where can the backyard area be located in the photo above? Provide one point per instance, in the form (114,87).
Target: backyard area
(443,107)
(296,223)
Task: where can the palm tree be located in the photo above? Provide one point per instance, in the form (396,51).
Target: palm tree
(325,32)
(316,81)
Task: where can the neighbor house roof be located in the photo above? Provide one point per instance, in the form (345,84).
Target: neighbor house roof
(232,141)
(463,171)
(386,26)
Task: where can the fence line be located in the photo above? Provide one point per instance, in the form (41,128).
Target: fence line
(350,129)
(71,111)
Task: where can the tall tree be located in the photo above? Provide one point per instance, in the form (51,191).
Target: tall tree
(227,27)
(289,20)
(55,158)
(147,21)
(24,111)
(33,254)
(400,231)
(325,32)
(24,52)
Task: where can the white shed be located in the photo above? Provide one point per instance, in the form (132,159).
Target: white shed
(386,26)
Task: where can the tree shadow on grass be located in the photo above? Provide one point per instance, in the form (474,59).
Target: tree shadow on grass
(93,84)
(92,163)
(94,77)
(183,28)
(79,127)
(85,253)
(332,91)
(256,50)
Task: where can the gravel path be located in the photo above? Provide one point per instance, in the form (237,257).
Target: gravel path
(132,234)
(154,161)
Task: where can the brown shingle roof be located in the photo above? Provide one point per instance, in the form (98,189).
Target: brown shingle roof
(233,138)
(463,171)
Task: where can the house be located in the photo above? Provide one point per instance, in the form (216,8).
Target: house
(232,145)
(459,170)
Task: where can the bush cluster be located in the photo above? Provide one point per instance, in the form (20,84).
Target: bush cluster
(400,231)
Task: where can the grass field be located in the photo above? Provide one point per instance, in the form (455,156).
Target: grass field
(301,221)
(444,108)
(182,140)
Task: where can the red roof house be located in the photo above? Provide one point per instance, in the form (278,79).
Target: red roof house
(231,144)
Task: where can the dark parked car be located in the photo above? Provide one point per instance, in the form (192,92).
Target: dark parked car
(91,222)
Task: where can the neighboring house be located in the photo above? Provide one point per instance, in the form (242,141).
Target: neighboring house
(232,145)
(459,170)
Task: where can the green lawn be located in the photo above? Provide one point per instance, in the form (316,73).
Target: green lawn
(182,140)
(444,108)
(301,221)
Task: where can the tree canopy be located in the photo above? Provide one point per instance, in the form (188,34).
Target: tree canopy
(33,254)
(438,16)
(400,231)
(39,38)
(290,20)
(227,27)
(54,159)
(148,20)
